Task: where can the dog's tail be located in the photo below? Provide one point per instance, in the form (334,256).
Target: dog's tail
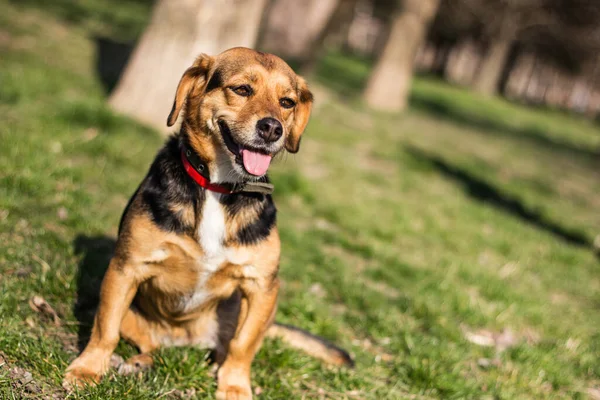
(313,345)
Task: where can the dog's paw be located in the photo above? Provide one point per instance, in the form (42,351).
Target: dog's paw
(78,378)
(85,370)
(135,364)
(233,384)
(234,393)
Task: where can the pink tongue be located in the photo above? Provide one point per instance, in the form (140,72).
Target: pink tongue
(255,163)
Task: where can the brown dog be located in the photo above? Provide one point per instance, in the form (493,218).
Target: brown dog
(197,257)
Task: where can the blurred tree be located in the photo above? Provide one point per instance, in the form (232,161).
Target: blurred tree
(367,29)
(500,24)
(553,57)
(298,31)
(341,15)
(290,26)
(389,83)
(178,31)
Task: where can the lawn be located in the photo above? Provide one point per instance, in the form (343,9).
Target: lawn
(449,248)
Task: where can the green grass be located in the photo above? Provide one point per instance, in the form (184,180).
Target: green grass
(400,232)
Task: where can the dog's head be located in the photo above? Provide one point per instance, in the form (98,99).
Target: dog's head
(244,107)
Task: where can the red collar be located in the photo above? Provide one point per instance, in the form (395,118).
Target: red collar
(198,171)
(200,180)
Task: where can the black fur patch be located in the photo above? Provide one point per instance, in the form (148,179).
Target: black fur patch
(306,96)
(127,207)
(258,229)
(166,184)
(215,82)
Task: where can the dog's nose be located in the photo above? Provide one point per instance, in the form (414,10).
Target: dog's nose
(269,129)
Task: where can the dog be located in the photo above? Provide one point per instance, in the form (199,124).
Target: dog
(197,257)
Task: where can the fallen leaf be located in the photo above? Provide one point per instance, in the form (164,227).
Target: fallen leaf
(481,338)
(484,337)
(62,213)
(40,305)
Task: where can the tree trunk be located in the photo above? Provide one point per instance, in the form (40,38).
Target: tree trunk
(341,14)
(509,66)
(365,30)
(516,86)
(389,84)
(487,81)
(178,32)
(291,26)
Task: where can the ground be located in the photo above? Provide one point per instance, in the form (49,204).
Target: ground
(448,248)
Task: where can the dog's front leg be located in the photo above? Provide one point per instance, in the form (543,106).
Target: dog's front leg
(117,291)
(257,313)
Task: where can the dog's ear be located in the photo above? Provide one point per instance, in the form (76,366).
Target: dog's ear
(193,81)
(301,116)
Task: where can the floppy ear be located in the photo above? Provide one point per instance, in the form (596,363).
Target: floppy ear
(193,79)
(301,115)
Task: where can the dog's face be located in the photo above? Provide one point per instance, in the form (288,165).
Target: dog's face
(251,104)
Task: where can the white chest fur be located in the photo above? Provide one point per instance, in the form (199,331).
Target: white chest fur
(212,226)
(211,236)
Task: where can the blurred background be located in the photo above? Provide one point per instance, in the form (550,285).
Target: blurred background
(440,221)
(534,52)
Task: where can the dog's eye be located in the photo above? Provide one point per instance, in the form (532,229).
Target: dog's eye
(286,102)
(243,90)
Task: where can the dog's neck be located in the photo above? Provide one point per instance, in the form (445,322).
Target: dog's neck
(203,145)
(213,170)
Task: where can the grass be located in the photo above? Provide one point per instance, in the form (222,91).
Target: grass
(403,235)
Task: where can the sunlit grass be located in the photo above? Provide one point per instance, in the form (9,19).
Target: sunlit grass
(401,233)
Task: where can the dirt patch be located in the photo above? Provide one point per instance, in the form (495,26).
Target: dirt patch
(22,382)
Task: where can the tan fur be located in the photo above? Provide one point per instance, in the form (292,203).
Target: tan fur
(164,269)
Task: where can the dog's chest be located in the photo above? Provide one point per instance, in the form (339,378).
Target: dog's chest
(212,228)
(211,238)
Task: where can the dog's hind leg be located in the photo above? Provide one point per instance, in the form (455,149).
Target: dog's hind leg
(140,332)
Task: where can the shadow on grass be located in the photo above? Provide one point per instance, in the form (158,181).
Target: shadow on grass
(534,135)
(111,60)
(347,76)
(96,252)
(484,192)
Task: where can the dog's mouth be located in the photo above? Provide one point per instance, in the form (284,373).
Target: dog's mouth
(255,161)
